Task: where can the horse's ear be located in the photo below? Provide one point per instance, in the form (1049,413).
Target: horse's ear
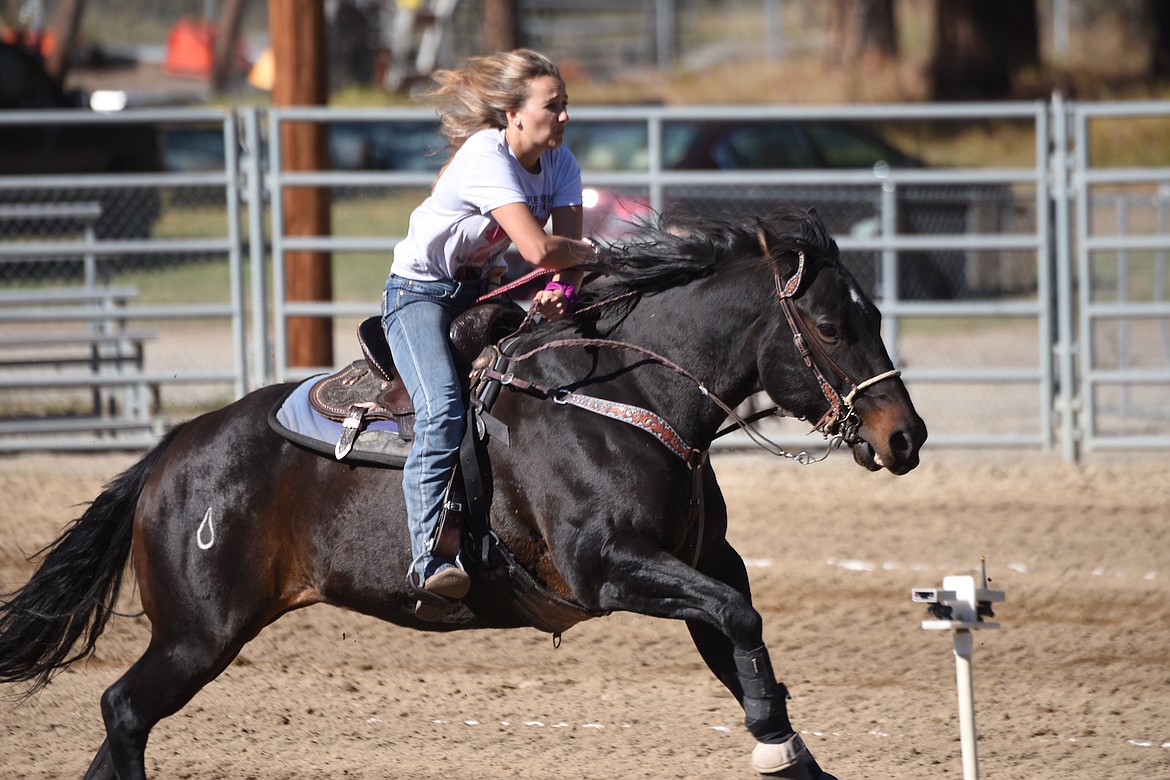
(783,262)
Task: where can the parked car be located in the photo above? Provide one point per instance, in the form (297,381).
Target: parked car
(771,144)
(353,146)
(86,148)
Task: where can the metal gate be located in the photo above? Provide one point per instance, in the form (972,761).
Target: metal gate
(1121,338)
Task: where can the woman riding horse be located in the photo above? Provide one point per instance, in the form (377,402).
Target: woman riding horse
(610,414)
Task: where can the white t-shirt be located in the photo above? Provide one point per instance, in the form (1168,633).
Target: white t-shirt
(453,227)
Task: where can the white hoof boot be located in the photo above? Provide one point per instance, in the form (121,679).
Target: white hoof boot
(768,759)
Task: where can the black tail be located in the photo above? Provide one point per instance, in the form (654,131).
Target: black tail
(74,590)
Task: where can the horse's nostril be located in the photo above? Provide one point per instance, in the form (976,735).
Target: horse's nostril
(906,439)
(901,443)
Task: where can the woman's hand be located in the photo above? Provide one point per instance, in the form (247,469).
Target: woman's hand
(552,303)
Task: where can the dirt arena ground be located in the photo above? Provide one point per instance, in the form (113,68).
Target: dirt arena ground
(1075,685)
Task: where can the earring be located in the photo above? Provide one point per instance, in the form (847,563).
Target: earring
(519,126)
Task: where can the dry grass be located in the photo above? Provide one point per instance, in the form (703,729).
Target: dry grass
(723,62)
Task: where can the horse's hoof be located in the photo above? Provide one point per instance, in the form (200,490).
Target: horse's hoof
(782,759)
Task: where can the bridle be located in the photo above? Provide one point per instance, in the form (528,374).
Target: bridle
(841,418)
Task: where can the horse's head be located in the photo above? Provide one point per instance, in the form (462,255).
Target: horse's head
(842,379)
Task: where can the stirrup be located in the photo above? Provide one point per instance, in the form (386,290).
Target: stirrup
(428,606)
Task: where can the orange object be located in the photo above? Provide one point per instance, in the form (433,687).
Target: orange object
(191,49)
(40,42)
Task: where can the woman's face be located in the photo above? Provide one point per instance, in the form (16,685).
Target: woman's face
(541,120)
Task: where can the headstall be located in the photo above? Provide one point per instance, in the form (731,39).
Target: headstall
(841,418)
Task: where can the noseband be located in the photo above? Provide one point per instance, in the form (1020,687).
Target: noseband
(841,419)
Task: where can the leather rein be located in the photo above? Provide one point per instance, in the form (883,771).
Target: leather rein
(840,422)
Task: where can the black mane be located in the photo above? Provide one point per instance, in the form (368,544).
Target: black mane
(682,248)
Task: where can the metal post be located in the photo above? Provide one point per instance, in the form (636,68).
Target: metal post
(960,606)
(276,194)
(890,262)
(1044,284)
(1161,199)
(253,167)
(774,29)
(654,147)
(964,644)
(1064,342)
(235,255)
(665,25)
(1123,331)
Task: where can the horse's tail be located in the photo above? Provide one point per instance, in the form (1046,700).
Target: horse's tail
(75,588)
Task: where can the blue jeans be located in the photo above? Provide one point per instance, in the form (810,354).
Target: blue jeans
(417,319)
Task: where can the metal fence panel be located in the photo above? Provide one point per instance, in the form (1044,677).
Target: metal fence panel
(957,258)
(1123,246)
(162,224)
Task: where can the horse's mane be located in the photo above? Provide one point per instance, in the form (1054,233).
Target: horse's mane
(681,248)
(685,247)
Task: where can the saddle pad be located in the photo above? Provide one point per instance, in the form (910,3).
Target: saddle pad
(378,443)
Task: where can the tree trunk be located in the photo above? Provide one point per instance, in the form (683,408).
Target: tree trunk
(977,45)
(227,36)
(297,29)
(65,36)
(1022,26)
(1160,46)
(501,25)
(861,30)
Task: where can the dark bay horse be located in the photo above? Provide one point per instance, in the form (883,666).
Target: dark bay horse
(696,319)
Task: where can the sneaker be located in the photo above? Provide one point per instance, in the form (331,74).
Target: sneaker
(450,582)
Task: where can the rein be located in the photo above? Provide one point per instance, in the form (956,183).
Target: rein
(512,285)
(650,421)
(839,424)
(637,416)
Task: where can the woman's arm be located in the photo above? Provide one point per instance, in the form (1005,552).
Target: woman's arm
(561,250)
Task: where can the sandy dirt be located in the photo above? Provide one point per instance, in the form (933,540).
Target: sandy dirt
(1075,685)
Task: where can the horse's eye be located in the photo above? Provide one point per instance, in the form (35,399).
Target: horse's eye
(828,332)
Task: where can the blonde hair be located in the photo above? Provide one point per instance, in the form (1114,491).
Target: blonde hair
(479,96)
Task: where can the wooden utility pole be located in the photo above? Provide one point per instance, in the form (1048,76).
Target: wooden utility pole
(501,25)
(297,29)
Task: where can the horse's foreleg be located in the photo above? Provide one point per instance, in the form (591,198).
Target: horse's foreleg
(726,566)
(728,633)
(736,669)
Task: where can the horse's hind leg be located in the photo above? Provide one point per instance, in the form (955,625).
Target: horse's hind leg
(102,767)
(164,679)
